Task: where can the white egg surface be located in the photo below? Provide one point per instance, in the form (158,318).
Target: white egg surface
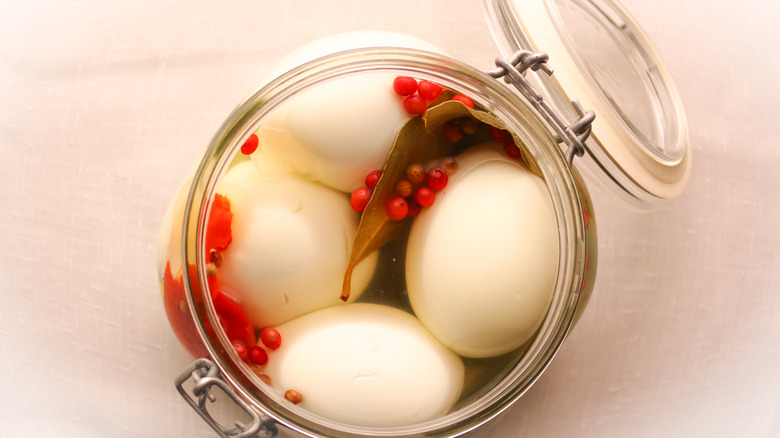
(291,239)
(337,132)
(482,260)
(366,365)
(342,129)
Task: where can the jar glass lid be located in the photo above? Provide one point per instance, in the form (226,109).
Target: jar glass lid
(639,145)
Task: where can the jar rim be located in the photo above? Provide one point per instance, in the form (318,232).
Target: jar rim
(499,100)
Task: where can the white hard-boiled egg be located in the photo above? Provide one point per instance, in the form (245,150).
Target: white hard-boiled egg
(366,365)
(341,129)
(291,242)
(482,260)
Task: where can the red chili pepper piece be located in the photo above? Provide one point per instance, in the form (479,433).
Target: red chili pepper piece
(238,326)
(218,231)
(179,316)
(231,315)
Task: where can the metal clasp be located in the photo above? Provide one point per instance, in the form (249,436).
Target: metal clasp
(513,71)
(205,375)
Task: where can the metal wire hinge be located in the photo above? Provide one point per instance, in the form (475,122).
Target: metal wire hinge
(513,71)
(205,375)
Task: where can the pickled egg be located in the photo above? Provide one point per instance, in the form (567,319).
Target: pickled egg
(342,129)
(291,240)
(366,365)
(482,260)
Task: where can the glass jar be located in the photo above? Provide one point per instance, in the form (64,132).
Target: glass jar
(573,210)
(183,260)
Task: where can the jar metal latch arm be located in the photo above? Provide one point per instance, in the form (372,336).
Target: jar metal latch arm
(513,71)
(205,375)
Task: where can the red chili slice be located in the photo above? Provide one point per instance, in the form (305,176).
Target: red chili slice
(233,317)
(237,325)
(179,315)
(218,231)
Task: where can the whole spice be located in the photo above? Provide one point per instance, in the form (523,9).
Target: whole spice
(258,355)
(360,198)
(464,100)
(436,178)
(373,178)
(452,132)
(396,208)
(512,150)
(424,196)
(449,164)
(293,396)
(497,134)
(429,90)
(405,85)
(414,208)
(404,188)
(250,145)
(415,105)
(469,125)
(271,338)
(415,173)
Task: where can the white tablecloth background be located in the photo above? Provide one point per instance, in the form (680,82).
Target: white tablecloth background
(105,105)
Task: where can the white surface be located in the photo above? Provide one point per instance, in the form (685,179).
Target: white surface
(103,109)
